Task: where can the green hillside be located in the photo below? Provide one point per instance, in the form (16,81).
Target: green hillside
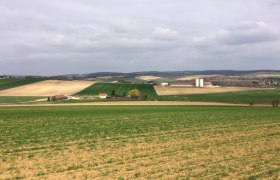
(15,82)
(95,89)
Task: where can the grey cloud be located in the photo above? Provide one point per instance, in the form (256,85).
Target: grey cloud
(89,35)
(246,33)
(123,26)
(165,33)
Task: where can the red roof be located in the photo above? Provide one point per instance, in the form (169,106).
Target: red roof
(207,83)
(59,97)
(181,83)
(102,94)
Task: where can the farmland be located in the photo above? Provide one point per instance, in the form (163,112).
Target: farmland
(139,141)
(162,91)
(242,97)
(48,88)
(145,89)
(20,99)
(13,82)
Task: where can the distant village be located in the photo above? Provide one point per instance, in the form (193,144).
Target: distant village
(5,77)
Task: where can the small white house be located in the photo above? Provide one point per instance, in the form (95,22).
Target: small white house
(102,95)
(164,84)
(208,84)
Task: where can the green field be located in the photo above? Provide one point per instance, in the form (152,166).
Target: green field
(242,97)
(148,142)
(18,99)
(15,82)
(120,89)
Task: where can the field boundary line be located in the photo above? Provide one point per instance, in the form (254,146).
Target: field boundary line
(140,103)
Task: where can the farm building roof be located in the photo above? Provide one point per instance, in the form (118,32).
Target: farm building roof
(182,83)
(60,96)
(207,83)
(102,94)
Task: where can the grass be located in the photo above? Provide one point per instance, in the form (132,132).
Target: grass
(18,99)
(243,97)
(15,82)
(120,89)
(148,142)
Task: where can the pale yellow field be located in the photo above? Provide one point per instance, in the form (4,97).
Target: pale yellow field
(105,77)
(148,78)
(186,78)
(48,88)
(161,91)
(267,75)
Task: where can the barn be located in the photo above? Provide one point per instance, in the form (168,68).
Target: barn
(182,84)
(59,97)
(208,84)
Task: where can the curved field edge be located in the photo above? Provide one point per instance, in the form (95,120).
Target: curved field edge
(120,89)
(242,97)
(139,142)
(15,82)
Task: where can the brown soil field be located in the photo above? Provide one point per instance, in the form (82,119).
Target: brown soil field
(48,88)
(148,78)
(161,91)
(186,78)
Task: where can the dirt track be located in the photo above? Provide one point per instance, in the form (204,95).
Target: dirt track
(161,91)
(48,88)
(137,103)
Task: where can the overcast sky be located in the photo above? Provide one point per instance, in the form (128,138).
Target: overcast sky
(82,36)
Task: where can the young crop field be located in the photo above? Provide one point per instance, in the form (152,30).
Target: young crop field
(14,82)
(18,99)
(120,89)
(242,97)
(148,142)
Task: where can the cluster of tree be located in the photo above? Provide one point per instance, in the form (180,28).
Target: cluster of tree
(272,83)
(136,94)
(241,82)
(133,94)
(236,82)
(57,98)
(114,95)
(275,103)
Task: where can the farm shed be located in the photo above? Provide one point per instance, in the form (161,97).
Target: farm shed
(164,84)
(208,84)
(102,95)
(58,97)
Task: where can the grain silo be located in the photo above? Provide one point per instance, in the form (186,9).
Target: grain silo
(197,83)
(201,82)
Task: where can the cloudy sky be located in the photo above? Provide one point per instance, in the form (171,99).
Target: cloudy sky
(82,36)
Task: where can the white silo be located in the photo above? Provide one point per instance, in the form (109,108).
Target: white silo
(197,83)
(201,83)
